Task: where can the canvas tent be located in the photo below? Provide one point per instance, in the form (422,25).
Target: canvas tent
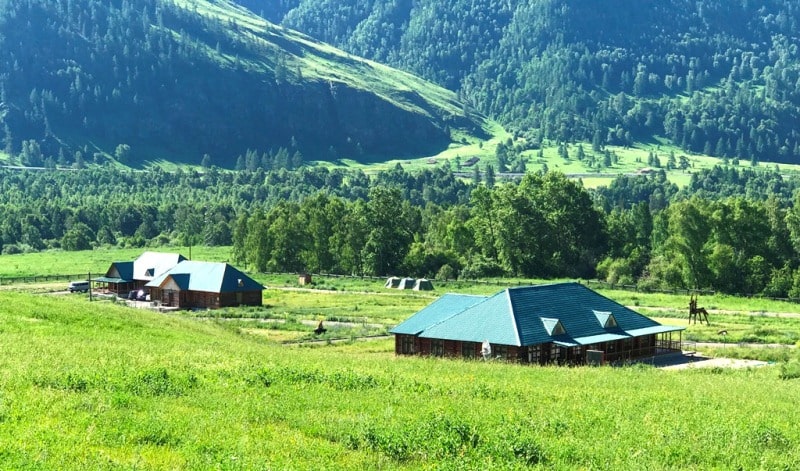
(423,285)
(392,282)
(406,283)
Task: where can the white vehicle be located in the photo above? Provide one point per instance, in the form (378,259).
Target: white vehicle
(78,286)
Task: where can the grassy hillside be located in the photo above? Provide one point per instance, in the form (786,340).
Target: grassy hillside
(101,386)
(172,81)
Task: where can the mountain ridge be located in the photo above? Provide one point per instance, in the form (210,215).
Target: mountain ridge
(710,76)
(185,79)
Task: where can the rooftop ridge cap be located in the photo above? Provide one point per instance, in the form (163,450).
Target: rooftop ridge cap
(513,315)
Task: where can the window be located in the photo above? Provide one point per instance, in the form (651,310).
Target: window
(555,352)
(500,351)
(468,349)
(534,353)
(407,345)
(575,353)
(606,319)
(437,347)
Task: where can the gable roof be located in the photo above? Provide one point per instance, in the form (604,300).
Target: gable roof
(152,264)
(211,277)
(562,313)
(118,272)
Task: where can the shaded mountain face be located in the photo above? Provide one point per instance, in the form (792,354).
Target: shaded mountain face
(178,80)
(719,77)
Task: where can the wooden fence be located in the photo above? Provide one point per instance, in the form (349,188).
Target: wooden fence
(494,282)
(41,279)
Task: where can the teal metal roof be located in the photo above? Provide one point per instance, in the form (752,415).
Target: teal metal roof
(446,306)
(487,320)
(592,339)
(209,277)
(656,329)
(122,271)
(531,315)
(105,279)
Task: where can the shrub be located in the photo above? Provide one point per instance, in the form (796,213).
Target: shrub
(790,370)
(11,249)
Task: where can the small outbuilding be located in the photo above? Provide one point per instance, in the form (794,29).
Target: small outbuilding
(304,279)
(562,323)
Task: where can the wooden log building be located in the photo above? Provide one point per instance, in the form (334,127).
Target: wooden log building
(205,285)
(562,323)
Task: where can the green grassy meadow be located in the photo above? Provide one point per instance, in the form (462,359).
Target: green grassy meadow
(60,262)
(101,386)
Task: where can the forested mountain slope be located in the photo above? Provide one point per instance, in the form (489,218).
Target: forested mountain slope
(719,77)
(186,78)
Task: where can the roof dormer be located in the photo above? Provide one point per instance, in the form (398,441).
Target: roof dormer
(553,326)
(606,319)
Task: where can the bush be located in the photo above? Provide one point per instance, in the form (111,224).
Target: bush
(446,272)
(481,268)
(11,249)
(790,370)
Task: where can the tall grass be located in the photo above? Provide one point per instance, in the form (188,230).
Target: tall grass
(95,385)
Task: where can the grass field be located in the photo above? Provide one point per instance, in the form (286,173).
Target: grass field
(366,308)
(96,385)
(59,262)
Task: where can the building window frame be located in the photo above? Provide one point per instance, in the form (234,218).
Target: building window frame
(407,345)
(468,350)
(534,353)
(437,347)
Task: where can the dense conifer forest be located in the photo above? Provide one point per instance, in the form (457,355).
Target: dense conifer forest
(137,81)
(717,77)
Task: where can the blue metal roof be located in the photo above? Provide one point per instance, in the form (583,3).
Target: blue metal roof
(211,277)
(528,315)
(446,306)
(122,271)
(656,329)
(488,320)
(592,339)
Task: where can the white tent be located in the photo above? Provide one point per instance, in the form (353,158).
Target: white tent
(423,285)
(406,283)
(392,282)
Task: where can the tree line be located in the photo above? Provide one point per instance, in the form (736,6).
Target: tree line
(731,230)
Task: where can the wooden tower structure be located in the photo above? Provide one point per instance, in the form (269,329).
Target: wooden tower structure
(696,312)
